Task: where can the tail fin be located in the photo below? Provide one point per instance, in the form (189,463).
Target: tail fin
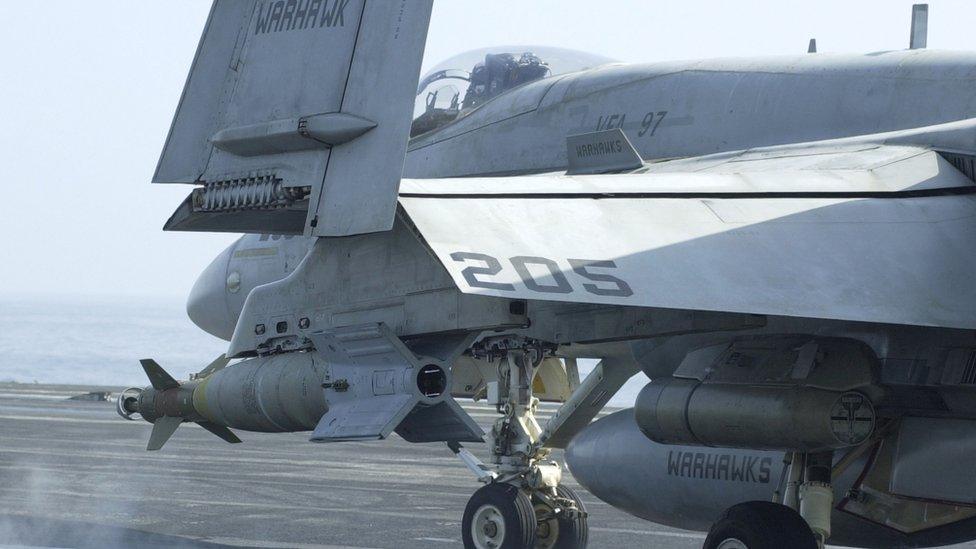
(158,377)
(165,425)
(215,365)
(295,116)
(221,431)
(163,428)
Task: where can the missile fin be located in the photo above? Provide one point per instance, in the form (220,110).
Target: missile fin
(218,364)
(221,431)
(158,377)
(163,428)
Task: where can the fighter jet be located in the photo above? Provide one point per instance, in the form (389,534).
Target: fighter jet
(783,245)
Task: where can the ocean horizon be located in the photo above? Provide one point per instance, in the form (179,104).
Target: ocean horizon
(98,340)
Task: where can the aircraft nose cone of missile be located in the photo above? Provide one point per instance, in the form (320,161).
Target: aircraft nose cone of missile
(207,303)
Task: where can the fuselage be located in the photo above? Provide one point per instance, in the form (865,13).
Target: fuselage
(691,108)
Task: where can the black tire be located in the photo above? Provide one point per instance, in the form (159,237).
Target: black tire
(573,533)
(762,525)
(511,505)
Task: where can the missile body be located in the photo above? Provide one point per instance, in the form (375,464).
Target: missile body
(277,393)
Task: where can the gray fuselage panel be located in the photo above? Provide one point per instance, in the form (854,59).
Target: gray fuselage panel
(680,109)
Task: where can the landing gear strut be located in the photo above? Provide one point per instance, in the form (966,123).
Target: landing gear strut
(523,504)
(808,490)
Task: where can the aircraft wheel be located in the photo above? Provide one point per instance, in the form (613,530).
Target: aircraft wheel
(498,516)
(760,525)
(562,532)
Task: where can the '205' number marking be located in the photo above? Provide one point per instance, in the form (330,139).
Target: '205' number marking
(482,267)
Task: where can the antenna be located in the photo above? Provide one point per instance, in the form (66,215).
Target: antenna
(920,26)
(812,48)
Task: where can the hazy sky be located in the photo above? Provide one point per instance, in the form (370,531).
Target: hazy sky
(88,90)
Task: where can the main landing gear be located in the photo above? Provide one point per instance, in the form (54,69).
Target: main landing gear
(523,505)
(503,516)
(801,521)
(760,525)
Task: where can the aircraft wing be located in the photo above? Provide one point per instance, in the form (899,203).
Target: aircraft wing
(295,116)
(849,230)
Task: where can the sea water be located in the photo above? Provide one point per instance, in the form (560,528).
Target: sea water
(99,341)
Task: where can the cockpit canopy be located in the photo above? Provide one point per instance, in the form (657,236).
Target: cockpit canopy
(462,83)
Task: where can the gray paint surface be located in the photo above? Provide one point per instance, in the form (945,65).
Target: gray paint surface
(815,195)
(924,441)
(711,106)
(313,97)
(888,260)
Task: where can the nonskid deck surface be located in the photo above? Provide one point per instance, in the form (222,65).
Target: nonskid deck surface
(74,474)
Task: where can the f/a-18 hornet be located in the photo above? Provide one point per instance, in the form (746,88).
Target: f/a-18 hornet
(785,246)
